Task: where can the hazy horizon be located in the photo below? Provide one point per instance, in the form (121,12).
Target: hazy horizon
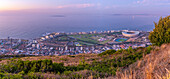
(31,18)
(155,7)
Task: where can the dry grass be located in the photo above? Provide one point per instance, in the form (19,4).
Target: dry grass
(67,60)
(152,66)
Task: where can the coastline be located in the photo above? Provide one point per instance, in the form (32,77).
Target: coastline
(60,43)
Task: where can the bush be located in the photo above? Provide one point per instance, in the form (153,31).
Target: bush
(161,33)
(58,67)
(67,73)
(64,59)
(71,56)
(107,52)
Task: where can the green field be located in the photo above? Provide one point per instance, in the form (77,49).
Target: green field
(91,39)
(122,40)
(86,39)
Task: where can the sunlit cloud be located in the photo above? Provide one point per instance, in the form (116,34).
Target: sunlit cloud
(112,6)
(141,2)
(4,5)
(76,6)
(153,2)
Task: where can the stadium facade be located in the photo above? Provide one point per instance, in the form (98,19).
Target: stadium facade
(130,33)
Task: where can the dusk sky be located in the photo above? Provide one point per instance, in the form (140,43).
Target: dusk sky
(88,6)
(27,16)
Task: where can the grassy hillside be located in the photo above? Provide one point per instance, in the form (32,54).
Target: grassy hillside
(155,65)
(66,59)
(149,63)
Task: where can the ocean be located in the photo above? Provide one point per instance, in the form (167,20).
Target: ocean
(33,26)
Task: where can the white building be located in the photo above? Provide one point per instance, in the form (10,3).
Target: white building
(130,33)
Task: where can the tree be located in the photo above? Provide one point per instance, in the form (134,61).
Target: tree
(161,33)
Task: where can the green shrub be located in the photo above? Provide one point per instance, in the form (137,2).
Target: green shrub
(161,33)
(71,56)
(67,73)
(64,59)
(107,52)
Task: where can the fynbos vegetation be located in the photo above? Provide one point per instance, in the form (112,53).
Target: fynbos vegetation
(161,33)
(104,68)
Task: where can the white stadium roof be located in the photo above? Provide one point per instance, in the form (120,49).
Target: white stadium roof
(130,33)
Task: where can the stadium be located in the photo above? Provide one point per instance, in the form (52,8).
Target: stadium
(130,33)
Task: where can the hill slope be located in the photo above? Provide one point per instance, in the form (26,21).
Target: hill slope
(131,63)
(155,65)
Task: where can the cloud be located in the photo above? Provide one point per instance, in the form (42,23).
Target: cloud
(153,2)
(111,7)
(58,16)
(76,6)
(141,2)
(134,14)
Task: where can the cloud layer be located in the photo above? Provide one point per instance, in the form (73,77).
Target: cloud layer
(76,6)
(153,2)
